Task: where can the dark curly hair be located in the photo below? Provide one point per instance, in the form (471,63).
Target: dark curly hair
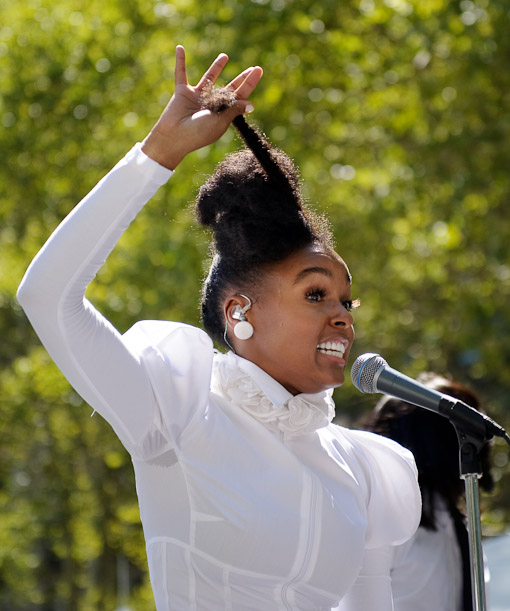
(254,207)
(433,441)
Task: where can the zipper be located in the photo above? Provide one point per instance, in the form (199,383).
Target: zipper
(310,540)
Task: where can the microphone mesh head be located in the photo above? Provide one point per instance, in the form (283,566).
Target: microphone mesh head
(364,370)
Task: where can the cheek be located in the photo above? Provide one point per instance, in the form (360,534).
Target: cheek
(300,335)
(280,333)
(278,330)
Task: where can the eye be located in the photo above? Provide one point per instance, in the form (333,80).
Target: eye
(316,295)
(351,304)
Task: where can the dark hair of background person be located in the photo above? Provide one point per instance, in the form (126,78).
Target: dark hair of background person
(254,207)
(433,441)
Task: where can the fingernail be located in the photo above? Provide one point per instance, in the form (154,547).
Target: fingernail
(248,108)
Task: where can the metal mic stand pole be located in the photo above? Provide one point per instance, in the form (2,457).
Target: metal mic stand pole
(471,471)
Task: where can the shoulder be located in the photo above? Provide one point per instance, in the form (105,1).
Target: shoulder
(178,359)
(372,446)
(166,336)
(172,347)
(389,470)
(369,447)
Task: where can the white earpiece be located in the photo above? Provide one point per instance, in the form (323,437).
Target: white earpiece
(243,329)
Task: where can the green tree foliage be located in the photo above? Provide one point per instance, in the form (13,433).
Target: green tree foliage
(397,114)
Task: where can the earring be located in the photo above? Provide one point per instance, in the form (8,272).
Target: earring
(243,329)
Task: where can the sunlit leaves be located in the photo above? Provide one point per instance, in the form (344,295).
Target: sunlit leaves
(396,112)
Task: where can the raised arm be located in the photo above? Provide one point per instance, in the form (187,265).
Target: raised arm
(87,348)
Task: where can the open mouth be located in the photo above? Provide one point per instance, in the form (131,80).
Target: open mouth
(332,348)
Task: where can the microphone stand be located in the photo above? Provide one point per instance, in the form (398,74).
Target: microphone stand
(471,440)
(471,475)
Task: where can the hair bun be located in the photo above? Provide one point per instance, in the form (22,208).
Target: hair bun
(253,205)
(250,216)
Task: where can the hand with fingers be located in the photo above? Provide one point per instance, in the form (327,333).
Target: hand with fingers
(184,125)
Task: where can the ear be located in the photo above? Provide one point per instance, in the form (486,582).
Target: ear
(232,307)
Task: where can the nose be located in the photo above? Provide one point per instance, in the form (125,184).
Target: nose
(341,317)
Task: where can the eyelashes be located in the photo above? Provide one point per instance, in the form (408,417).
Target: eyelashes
(351,304)
(317,295)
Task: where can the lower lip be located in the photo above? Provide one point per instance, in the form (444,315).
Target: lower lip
(333,358)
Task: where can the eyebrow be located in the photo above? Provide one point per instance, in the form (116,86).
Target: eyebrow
(317,270)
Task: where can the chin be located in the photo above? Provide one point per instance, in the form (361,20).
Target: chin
(314,384)
(313,387)
(335,382)
(333,385)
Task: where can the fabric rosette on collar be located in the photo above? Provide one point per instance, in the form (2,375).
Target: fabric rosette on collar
(298,415)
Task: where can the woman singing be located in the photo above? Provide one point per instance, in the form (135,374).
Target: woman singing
(250,498)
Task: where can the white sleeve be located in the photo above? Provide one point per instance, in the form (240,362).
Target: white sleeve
(372,589)
(86,347)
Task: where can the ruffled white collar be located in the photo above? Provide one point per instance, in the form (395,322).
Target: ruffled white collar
(246,385)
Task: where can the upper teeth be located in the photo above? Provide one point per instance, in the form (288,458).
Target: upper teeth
(332,348)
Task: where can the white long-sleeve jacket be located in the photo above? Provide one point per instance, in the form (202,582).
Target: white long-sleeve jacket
(249,499)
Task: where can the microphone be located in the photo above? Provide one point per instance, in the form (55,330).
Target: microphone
(370,373)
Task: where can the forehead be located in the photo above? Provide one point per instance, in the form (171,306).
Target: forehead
(312,260)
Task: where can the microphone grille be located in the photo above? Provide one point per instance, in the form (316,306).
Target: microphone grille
(364,370)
